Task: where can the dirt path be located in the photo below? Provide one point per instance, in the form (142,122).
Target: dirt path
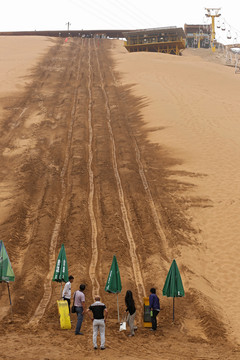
(94,259)
(132,246)
(80,171)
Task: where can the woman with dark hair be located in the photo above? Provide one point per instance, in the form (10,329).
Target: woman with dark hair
(131,311)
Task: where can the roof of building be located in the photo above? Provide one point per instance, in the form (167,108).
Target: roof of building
(196,27)
(153,31)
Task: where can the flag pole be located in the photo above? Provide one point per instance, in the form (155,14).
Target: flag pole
(118,307)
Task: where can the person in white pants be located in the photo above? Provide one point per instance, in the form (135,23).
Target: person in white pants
(98,317)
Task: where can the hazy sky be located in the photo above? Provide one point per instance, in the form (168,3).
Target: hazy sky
(28,15)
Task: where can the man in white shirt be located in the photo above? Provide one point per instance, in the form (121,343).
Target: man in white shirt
(66,294)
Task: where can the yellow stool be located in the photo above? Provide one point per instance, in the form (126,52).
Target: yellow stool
(63,311)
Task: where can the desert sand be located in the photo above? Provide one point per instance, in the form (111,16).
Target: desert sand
(158,180)
(193,113)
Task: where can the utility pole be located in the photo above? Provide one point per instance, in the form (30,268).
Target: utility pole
(213,12)
(68,24)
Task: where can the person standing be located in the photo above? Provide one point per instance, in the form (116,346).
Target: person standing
(98,317)
(66,294)
(154,307)
(79,303)
(131,309)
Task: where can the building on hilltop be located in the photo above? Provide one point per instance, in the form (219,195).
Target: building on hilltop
(170,40)
(198,36)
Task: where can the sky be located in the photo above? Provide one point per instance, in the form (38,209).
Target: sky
(30,15)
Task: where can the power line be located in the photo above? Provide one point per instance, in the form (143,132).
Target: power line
(116,13)
(139,12)
(108,15)
(98,14)
(132,13)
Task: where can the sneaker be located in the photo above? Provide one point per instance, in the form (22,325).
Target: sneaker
(131,335)
(80,333)
(95,347)
(102,348)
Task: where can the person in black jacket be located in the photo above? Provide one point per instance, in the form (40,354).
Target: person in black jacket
(131,309)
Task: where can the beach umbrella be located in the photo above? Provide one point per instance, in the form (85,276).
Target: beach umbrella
(173,286)
(113,284)
(61,268)
(6,271)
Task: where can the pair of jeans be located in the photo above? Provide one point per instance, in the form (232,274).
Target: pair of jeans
(154,319)
(130,321)
(99,324)
(79,311)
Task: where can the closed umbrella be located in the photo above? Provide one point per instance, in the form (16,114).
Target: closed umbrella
(113,284)
(61,268)
(173,286)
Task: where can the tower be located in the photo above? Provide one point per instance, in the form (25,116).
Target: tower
(213,13)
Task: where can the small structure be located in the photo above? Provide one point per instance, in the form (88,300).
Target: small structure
(146,313)
(198,36)
(170,40)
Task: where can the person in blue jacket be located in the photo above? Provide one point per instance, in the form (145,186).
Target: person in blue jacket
(154,307)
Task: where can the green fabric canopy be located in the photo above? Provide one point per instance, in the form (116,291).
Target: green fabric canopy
(61,269)
(113,284)
(173,286)
(6,271)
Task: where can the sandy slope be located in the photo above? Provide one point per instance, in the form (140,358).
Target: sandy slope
(194,111)
(18,55)
(138,157)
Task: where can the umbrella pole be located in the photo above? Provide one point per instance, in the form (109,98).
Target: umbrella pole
(118,308)
(10,301)
(173,309)
(9,295)
(61,291)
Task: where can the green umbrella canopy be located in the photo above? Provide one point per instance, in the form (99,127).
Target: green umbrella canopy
(61,269)
(113,284)
(6,271)
(173,286)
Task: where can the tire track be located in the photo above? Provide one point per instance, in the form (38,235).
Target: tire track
(39,312)
(156,217)
(94,245)
(132,246)
(17,122)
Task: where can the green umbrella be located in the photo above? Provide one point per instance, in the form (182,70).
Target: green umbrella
(113,284)
(6,271)
(61,268)
(173,286)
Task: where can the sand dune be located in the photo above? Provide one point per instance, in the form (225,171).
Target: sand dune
(194,111)
(134,154)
